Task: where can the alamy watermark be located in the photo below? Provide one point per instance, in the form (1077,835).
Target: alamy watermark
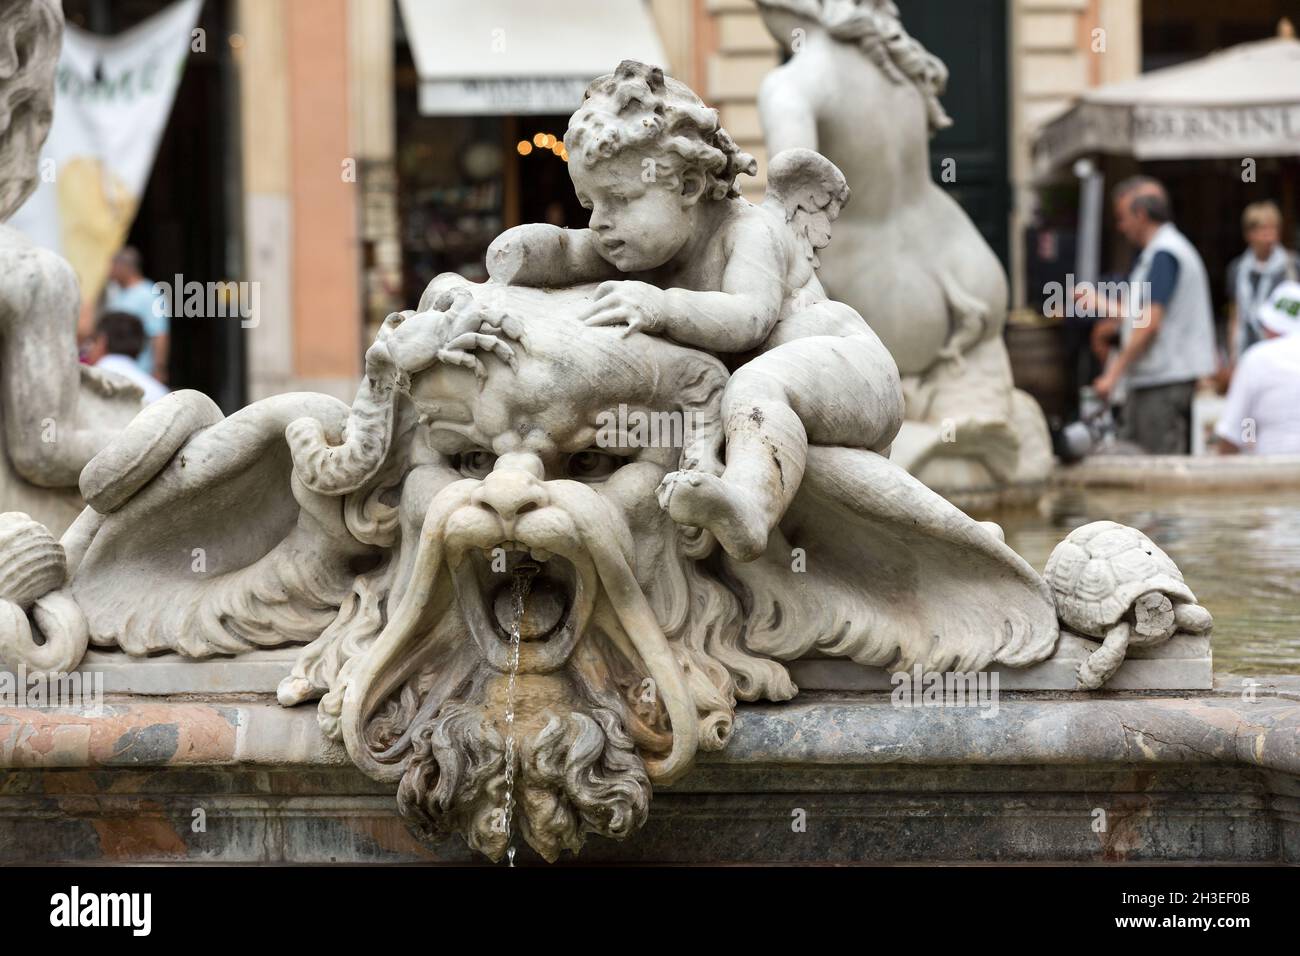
(133,911)
(81,690)
(637,428)
(210,300)
(1091,300)
(921,688)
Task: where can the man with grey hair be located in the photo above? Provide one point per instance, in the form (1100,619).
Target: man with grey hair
(129,291)
(1165,331)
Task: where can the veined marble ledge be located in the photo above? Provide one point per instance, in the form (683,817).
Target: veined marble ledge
(1252,722)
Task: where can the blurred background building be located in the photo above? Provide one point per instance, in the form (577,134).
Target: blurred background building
(343,152)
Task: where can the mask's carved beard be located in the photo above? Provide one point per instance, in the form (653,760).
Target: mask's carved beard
(579,774)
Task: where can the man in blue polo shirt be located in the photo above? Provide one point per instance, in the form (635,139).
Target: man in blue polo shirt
(1166,329)
(129,291)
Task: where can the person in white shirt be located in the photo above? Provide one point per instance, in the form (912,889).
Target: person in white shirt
(1262,413)
(1254,274)
(119,337)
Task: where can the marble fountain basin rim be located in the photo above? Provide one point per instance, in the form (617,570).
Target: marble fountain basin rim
(1259,729)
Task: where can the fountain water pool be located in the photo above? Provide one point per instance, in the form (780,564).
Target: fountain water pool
(1238,549)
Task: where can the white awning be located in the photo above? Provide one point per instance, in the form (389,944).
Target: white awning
(494,57)
(1239,102)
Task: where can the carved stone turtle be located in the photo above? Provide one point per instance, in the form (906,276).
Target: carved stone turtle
(1112,582)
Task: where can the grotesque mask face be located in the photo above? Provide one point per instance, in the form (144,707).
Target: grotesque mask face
(531,678)
(29,47)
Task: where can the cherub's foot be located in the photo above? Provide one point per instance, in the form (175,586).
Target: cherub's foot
(700,500)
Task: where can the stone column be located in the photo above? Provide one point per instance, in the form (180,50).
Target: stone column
(302,196)
(323,183)
(268,235)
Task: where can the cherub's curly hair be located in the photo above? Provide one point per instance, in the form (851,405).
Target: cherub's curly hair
(636,106)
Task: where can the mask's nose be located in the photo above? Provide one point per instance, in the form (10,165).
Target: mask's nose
(513,488)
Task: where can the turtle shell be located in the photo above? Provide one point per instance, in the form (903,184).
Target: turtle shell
(1100,569)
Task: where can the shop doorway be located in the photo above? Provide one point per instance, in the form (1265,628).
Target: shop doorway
(462,180)
(971,38)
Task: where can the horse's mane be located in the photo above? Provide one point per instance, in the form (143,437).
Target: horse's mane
(875,26)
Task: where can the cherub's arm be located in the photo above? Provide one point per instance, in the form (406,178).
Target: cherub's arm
(742,314)
(539,254)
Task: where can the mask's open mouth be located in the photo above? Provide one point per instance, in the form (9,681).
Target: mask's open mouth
(541,595)
(531,600)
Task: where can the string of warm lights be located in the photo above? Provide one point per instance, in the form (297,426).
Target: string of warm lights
(542,141)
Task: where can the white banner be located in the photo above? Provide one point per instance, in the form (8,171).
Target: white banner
(113,96)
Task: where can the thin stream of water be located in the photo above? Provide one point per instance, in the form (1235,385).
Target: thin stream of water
(518,595)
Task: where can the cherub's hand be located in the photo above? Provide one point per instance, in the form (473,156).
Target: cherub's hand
(638,305)
(457,331)
(473,328)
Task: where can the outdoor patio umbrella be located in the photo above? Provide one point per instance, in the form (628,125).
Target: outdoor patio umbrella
(1240,102)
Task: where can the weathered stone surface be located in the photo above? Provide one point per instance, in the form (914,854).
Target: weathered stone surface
(1210,778)
(569,520)
(1182,663)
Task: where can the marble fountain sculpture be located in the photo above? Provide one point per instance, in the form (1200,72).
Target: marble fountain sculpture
(858,89)
(56,413)
(576,513)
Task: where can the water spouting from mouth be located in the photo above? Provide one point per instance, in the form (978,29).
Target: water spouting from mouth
(519,585)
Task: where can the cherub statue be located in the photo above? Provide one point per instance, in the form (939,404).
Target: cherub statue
(863,92)
(56,412)
(679,253)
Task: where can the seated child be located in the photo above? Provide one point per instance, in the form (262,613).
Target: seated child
(684,256)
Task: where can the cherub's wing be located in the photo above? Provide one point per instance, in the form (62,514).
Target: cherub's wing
(890,574)
(219,548)
(808,191)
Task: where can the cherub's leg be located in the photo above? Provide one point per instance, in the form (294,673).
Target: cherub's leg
(824,390)
(766,450)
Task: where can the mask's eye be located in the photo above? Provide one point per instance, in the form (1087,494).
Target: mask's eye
(591,465)
(474,464)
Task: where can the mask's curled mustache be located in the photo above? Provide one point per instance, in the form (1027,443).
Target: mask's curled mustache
(602,538)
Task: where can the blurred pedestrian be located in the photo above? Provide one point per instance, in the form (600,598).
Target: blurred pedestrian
(1165,331)
(1262,411)
(129,291)
(1254,274)
(119,337)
